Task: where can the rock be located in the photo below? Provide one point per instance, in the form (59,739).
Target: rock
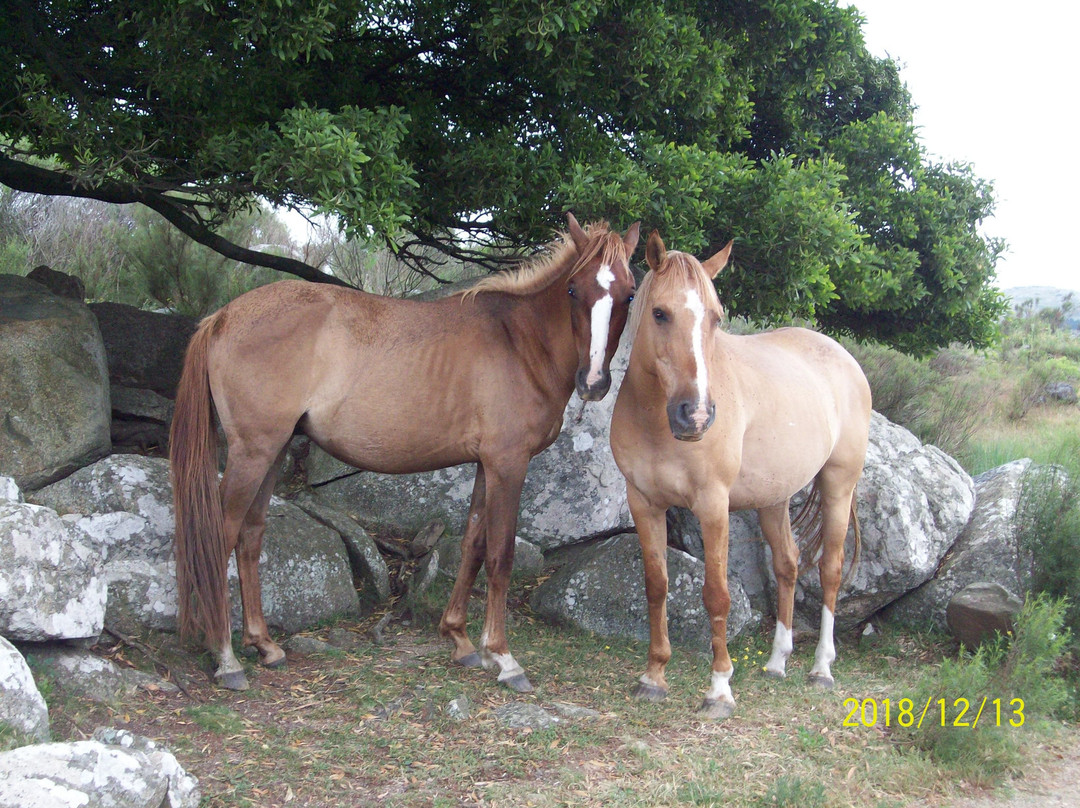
(305,572)
(601,588)
(459,709)
(573,488)
(123,505)
(424,541)
(140,420)
(52,585)
(1061,392)
(367,562)
(301,644)
(129,772)
(528,559)
(93,678)
(21,704)
(524,715)
(985,551)
(573,711)
(980,611)
(421,579)
(145,349)
(9,491)
(59,283)
(748,562)
(54,388)
(913,503)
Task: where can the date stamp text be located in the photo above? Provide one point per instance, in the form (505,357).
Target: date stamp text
(961,713)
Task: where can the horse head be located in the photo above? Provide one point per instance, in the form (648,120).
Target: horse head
(675,328)
(600,288)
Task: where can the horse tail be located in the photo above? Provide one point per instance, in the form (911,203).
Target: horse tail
(807,526)
(856,551)
(201,560)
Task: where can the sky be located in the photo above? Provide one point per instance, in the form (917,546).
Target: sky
(996,85)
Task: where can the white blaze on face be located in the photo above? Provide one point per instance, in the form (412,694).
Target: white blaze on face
(599,323)
(697,344)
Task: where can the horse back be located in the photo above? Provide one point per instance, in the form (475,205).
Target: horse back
(382,383)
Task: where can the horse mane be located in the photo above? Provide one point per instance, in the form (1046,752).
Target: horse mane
(676,265)
(555,261)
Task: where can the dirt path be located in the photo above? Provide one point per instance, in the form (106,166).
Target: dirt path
(1053,781)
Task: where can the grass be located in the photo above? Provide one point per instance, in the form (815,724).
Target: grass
(370,727)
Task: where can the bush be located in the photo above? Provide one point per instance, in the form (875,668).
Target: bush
(1023,666)
(1047,522)
(942,401)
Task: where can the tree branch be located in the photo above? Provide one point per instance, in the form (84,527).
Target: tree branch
(33,179)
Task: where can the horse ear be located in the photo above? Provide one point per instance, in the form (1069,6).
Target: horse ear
(630,240)
(576,233)
(655,251)
(718,261)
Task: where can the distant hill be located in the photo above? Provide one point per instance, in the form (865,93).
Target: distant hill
(1047,297)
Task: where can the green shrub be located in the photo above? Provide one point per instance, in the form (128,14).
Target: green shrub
(1047,522)
(965,716)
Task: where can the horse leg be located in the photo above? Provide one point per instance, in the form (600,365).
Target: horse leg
(473,548)
(245,473)
(502,500)
(651,523)
(719,701)
(248,549)
(776,528)
(834,511)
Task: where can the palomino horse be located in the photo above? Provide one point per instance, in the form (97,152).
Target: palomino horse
(790,407)
(390,386)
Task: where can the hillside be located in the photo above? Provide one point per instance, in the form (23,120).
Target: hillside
(1047,297)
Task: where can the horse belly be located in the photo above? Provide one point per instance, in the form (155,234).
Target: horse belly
(393,442)
(778,462)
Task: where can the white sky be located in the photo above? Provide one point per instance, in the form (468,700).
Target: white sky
(995,84)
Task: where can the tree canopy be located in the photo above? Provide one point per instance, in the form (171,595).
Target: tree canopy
(471,125)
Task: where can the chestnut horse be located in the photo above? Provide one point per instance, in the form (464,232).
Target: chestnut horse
(391,386)
(790,406)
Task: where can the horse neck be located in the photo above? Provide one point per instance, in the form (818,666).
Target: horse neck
(540,330)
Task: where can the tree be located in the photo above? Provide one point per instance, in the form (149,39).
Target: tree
(470,126)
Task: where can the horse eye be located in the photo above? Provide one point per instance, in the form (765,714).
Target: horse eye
(572,291)
(659,315)
(631,298)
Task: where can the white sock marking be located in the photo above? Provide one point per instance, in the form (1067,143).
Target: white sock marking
(697,342)
(781,650)
(721,690)
(826,651)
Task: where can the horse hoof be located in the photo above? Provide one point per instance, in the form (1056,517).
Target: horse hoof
(644,692)
(820,681)
(273,660)
(519,683)
(234,680)
(771,674)
(716,709)
(470,661)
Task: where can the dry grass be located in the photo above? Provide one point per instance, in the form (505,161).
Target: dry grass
(370,727)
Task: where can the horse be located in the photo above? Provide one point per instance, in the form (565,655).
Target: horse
(392,386)
(716,422)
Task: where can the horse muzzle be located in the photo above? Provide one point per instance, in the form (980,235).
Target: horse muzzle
(595,391)
(688,421)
